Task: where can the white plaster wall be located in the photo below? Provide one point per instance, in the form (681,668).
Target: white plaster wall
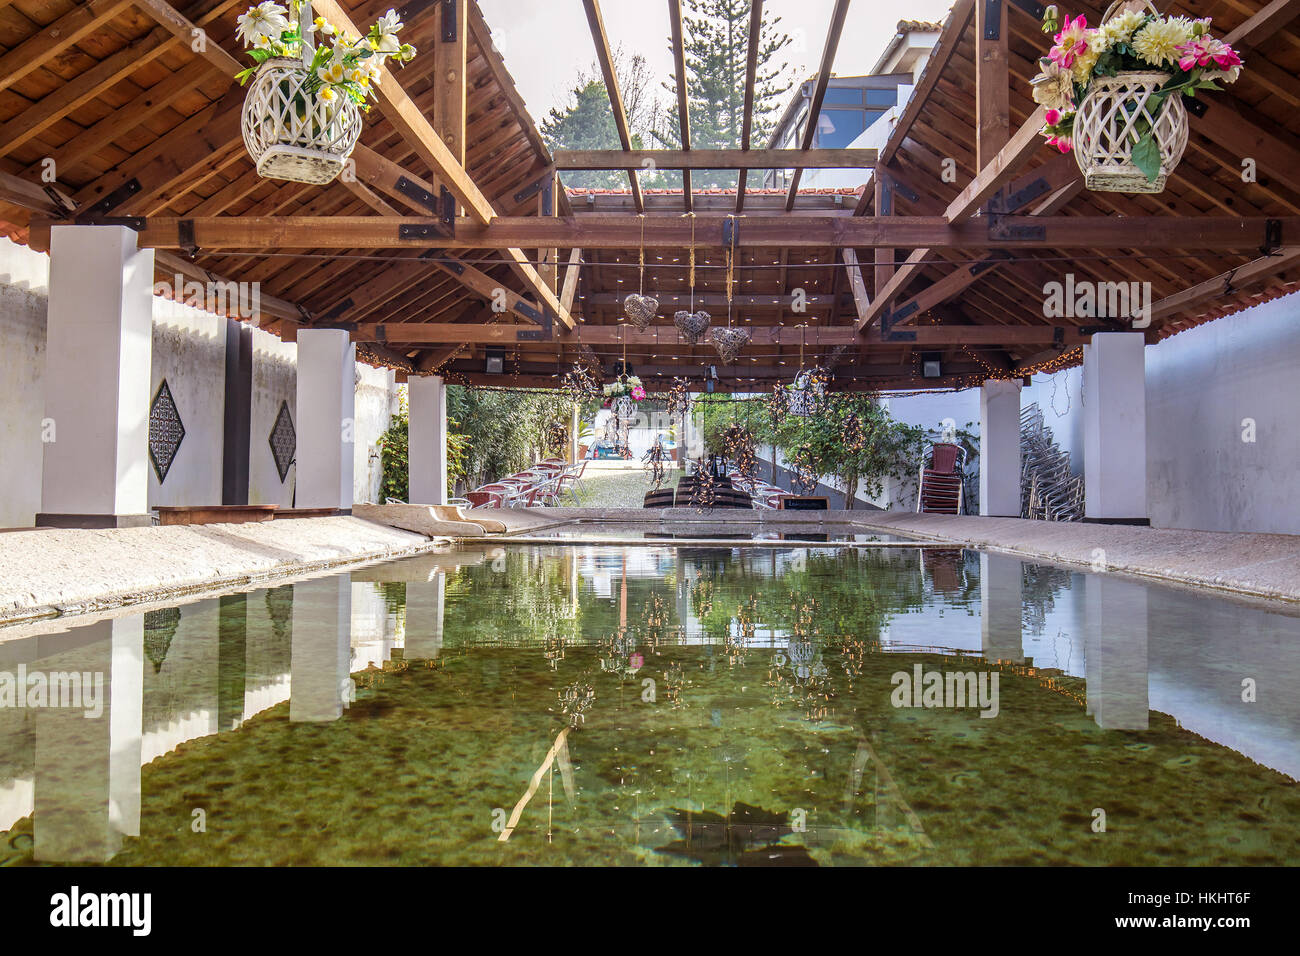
(1200,386)
(24,278)
(275,380)
(376,401)
(189,353)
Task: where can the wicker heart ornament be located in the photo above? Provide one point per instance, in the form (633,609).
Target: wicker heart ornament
(729,342)
(692,325)
(640,310)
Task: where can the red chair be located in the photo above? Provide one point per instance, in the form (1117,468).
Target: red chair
(940,489)
(478,499)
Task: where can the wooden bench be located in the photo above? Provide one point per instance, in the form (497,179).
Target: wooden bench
(214,514)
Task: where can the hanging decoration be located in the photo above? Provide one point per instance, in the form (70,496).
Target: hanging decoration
(640,308)
(729,341)
(738,448)
(806,392)
(678,401)
(557,437)
(805,477)
(692,325)
(581,384)
(302,112)
(778,404)
(1114,93)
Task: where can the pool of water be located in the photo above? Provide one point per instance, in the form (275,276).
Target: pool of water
(671,706)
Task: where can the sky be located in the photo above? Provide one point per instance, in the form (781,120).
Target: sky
(546,42)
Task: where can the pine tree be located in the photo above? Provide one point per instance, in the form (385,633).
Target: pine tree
(716,40)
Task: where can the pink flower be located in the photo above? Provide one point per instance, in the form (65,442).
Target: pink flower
(1053,117)
(638,394)
(1206,50)
(1062,143)
(1070,42)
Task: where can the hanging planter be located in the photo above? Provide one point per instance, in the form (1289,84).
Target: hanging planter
(1113,94)
(291,132)
(806,393)
(302,112)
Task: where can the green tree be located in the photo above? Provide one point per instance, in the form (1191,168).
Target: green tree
(715,37)
(503,431)
(587,120)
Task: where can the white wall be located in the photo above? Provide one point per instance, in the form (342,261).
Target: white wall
(189,352)
(1201,385)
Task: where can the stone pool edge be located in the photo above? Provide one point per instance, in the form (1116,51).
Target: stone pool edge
(328,544)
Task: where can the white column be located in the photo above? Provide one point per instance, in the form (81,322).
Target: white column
(321,649)
(1115,652)
(88,751)
(326,402)
(428,440)
(573,434)
(1001,577)
(1000,449)
(425,609)
(1115,428)
(99,336)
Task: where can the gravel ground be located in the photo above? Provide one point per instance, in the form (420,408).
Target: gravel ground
(616,485)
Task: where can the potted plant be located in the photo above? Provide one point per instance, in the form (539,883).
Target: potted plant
(1113,93)
(302,112)
(586,432)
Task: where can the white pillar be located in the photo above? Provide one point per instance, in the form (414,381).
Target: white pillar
(427,451)
(1115,428)
(425,609)
(87,790)
(1001,577)
(1000,449)
(573,434)
(320,654)
(99,336)
(1115,652)
(326,403)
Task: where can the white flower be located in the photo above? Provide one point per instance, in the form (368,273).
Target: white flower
(1118,29)
(384,35)
(323,26)
(1054,87)
(1158,41)
(335,70)
(265,21)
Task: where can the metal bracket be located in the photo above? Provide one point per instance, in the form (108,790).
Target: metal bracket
(1008,203)
(419,230)
(544,333)
(96,212)
(339,309)
(992,19)
(1000,230)
(1058,336)
(1030,7)
(1195,105)
(381,334)
(1272,237)
(530,191)
(532,313)
(57,198)
(448,26)
(731,232)
(185,230)
(136,223)
(984,265)
(448,213)
(890,319)
(417,193)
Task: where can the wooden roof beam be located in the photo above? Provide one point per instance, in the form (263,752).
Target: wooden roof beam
(751,78)
(606,60)
(833,32)
(683,105)
(51,40)
(414,127)
(608,159)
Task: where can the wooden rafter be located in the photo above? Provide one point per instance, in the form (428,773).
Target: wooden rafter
(715,158)
(833,32)
(751,79)
(683,101)
(606,60)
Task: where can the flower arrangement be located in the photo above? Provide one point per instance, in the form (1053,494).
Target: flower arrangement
(348,66)
(629,385)
(1129,41)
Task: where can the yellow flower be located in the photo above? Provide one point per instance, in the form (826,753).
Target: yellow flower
(1118,29)
(1081,71)
(1157,42)
(327,93)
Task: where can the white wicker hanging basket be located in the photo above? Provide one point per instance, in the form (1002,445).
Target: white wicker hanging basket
(1111,120)
(292,133)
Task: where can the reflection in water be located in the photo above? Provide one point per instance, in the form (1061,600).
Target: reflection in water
(666,706)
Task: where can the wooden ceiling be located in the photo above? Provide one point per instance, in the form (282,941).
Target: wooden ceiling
(138,124)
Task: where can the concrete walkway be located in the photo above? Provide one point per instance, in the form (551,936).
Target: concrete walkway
(69,571)
(1262,565)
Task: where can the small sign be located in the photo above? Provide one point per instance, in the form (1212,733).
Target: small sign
(805,503)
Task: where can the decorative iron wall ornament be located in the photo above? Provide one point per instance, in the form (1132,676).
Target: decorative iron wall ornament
(159,629)
(284,441)
(166,431)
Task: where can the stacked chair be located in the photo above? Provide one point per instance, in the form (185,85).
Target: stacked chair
(940,485)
